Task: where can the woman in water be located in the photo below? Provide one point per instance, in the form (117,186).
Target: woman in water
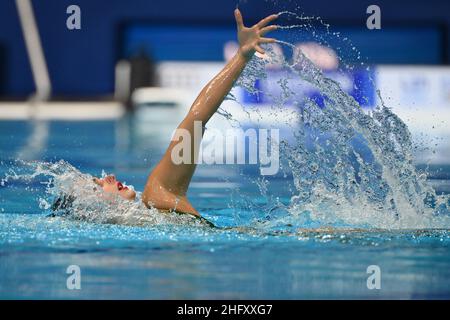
(168,183)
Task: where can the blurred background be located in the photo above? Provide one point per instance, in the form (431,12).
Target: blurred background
(156,55)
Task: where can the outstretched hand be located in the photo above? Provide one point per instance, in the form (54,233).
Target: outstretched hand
(251,38)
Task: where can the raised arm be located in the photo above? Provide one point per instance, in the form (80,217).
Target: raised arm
(168,183)
(212,95)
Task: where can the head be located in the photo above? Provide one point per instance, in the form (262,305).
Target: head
(110,185)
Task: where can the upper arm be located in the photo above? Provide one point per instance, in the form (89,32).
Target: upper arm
(174,171)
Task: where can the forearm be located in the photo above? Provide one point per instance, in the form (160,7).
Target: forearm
(213,94)
(174,176)
(203,108)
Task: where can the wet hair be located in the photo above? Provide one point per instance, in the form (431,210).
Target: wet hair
(61,205)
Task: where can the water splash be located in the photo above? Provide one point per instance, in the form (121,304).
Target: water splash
(72,194)
(349,166)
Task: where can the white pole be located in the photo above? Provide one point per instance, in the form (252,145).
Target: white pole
(34,49)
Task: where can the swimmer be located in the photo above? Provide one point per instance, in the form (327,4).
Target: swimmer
(168,183)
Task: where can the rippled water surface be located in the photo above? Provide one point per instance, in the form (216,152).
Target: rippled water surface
(247,258)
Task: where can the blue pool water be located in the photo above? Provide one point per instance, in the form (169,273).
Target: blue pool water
(254,259)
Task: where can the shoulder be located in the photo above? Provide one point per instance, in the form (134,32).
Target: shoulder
(156,196)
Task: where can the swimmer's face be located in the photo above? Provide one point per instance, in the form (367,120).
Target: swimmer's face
(109,184)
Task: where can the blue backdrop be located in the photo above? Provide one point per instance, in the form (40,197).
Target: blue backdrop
(82,62)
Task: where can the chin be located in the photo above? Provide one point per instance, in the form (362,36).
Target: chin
(130,195)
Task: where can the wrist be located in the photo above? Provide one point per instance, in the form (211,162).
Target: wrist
(246,56)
